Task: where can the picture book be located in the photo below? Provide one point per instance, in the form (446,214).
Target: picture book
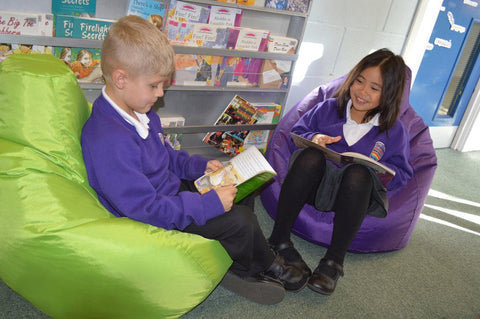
(23,23)
(275,74)
(290,5)
(173,139)
(84,62)
(279,44)
(154,11)
(239,72)
(269,114)
(248,39)
(247,171)
(196,70)
(385,173)
(223,16)
(198,35)
(85,8)
(238,111)
(187,12)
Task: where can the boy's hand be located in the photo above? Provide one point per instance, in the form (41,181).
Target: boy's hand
(227,195)
(213,165)
(323,140)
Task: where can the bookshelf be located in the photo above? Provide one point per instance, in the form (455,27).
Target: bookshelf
(200,105)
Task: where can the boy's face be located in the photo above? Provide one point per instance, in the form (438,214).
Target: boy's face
(141,92)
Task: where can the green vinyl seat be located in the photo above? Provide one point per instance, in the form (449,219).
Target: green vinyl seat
(59,247)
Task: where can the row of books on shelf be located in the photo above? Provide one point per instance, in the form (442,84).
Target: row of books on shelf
(289,5)
(206,70)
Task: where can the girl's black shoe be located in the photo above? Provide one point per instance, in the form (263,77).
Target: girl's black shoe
(325,276)
(291,256)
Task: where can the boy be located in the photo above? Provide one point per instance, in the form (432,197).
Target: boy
(139,176)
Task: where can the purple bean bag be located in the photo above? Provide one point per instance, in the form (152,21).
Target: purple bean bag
(376,234)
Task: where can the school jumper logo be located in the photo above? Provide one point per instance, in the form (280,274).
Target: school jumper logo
(378,151)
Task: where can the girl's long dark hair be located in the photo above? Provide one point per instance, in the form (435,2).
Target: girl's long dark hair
(393,71)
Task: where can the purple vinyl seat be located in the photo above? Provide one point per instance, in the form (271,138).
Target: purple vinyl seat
(376,234)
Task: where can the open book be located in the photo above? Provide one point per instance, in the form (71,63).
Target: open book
(247,171)
(385,173)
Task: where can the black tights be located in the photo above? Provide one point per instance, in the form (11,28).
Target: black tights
(300,186)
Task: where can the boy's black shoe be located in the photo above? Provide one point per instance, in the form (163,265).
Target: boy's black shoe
(261,291)
(292,278)
(291,256)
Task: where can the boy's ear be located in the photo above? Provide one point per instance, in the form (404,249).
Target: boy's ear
(119,78)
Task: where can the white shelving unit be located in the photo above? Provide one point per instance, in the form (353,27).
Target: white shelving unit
(200,105)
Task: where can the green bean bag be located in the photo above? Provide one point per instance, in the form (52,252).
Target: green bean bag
(59,248)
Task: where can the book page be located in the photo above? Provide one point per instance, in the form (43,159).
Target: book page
(250,162)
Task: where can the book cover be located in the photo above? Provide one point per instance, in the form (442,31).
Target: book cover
(84,62)
(279,44)
(247,171)
(248,39)
(275,74)
(239,72)
(173,139)
(188,12)
(199,35)
(152,10)
(23,23)
(246,2)
(290,5)
(238,111)
(223,16)
(270,114)
(196,70)
(85,8)
(385,173)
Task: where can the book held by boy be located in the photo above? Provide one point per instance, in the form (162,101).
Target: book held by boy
(385,173)
(247,171)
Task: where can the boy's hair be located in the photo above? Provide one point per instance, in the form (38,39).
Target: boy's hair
(393,72)
(135,45)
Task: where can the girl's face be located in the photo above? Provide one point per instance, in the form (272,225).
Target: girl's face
(86,60)
(366,92)
(141,93)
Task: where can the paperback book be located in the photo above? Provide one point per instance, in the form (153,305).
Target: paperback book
(275,74)
(238,111)
(385,173)
(86,8)
(240,72)
(279,44)
(152,10)
(223,16)
(173,139)
(248,39)
(196,70)
(269,114)
(247,171)
(290,5)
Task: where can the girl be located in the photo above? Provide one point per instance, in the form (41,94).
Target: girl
(361,117)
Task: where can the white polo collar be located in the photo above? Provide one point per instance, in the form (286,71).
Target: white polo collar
(354,131)
(141,126)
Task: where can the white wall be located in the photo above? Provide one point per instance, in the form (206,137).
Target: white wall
(339,33)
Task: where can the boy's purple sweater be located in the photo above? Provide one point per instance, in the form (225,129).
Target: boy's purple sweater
(140,178)
(323,119)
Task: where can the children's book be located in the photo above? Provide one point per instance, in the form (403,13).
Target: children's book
(239,72)
(280,44)
(178,12)
(270,114)
(84,8)
(154,11)
(173,139)
(223,16)
(24,23)
(290,5)
(248,39)
(238,111)
(385,173)
(275,74)
(84,62)
(196,70)
(199,35)
(247,171)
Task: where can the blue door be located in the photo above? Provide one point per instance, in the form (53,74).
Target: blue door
(450,68)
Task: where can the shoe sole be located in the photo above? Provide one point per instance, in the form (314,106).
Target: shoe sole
(320,291)
(259,291)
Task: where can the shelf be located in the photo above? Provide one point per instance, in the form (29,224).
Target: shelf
(192,129)
(91,86)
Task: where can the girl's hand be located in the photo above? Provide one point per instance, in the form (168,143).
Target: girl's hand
(323,140)
(227,195)
(213,165)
